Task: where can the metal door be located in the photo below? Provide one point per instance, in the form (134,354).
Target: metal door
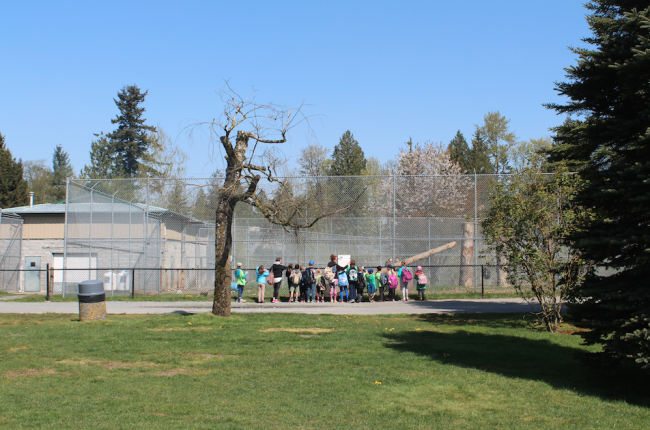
(32,274)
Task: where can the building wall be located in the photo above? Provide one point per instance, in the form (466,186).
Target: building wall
(43,226)
(43,248)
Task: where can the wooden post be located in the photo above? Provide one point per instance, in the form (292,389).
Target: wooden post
(466,278)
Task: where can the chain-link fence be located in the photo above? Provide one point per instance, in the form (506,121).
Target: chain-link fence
(166,224)
(11,233)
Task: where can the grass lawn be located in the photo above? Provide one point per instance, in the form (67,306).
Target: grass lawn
(305,371)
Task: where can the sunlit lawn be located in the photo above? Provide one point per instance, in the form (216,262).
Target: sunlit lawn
(305,371)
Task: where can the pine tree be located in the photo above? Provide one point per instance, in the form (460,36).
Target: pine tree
(609,144)
(101,160)
(459,151)
(348,158)
(13,188)
(479,160)
(61,170)
(130,141)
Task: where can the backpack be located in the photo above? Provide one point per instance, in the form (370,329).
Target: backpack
(353,274)
(343,279)
(306,277)
(362,280)
(383,279)
(392,280)
(295,277)
(270,279)
(312,275)
(328,275)
(422,279)
(406,274)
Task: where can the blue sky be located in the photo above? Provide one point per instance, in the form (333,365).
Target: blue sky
(384,70)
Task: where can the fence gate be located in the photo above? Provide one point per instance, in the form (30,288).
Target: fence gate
(33,274)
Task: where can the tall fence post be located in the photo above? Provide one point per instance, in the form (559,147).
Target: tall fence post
(65,234)
(132,283)
(482,284)
(47,281)
(394,218)
(475,229)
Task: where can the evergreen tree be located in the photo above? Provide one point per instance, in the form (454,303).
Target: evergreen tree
(459,151)
(609,91)
(130,141)
(101,160)
(13,188)
(348,158)
(479,160)
(61,170)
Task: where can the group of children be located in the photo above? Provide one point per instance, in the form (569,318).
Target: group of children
(309,284)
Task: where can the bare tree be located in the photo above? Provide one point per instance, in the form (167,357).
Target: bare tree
(247,133)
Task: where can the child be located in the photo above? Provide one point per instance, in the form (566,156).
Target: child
(309,277)
(361,284)
(303,285)
(321,284)
(405,276)
(421,280)
(381,280)
(262,274)
(372,289)
(331,282)
(392,283)
(241,282)
(293,279)
(353,280)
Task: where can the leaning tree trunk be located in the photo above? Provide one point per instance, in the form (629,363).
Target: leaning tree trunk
(466,278)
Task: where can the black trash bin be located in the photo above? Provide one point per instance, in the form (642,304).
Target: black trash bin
(92,301)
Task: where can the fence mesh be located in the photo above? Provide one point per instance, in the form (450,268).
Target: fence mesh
(166,224)
(11,233)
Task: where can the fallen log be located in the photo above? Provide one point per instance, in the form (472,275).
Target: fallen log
(429,253)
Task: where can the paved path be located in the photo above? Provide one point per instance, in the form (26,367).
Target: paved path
(410,307)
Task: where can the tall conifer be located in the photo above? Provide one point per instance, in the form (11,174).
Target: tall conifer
(130,141)
(13,188)
(608,142)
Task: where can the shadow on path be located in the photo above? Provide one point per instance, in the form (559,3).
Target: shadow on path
(517,357)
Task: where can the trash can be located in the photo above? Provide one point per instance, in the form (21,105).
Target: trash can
(92,301)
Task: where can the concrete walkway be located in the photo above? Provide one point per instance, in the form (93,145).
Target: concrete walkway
(410,307)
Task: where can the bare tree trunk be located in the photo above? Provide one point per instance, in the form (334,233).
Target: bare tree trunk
(467,256)
(222,247)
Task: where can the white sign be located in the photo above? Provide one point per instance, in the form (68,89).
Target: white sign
(343,260)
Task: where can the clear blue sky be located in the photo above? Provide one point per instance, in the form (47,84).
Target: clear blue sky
(384,70)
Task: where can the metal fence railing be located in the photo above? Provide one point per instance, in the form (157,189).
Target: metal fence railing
(136,281)
(153,223)
(11,228)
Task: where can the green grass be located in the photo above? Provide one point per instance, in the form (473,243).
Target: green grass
(372,372)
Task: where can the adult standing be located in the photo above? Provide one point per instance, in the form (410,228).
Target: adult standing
(333,264)
(278,270)
(405,276)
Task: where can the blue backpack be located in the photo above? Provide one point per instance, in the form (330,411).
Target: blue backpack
(343,279)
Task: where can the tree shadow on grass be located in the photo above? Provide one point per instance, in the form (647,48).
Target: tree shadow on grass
(518,357)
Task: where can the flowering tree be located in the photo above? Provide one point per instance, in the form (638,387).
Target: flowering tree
(443,193)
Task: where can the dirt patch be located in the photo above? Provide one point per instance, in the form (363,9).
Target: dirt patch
(110,365)
(180,329)
(299,330)
(309,335)
(171,372)
(571,330)
(34,372)
(18,348)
